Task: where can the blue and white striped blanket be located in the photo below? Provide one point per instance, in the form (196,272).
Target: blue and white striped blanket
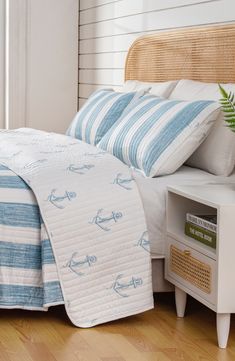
(28,273)
(72,229)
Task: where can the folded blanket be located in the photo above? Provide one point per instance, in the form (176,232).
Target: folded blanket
(93,219)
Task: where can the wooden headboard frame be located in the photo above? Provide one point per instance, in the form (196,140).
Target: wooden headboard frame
(203,53)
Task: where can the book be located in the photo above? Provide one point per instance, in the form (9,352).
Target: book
(200,234)
(206,221)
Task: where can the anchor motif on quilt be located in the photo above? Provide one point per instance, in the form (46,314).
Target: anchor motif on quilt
(119,287)
(62,146)
(73,265)
(123,182)
(57,200)
(26,145)
(52,151)
(144,241)
(11,156)
(95,155)
(80,169)
(74,143)
(35,164)
(100,220)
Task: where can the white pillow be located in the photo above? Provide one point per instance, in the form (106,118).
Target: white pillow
(216,154)
(157,135)
(161,89)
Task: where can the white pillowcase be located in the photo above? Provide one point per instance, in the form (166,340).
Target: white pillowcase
(161,89)
(216,154)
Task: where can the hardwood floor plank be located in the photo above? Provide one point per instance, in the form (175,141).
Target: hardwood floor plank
(157,335)
(112,359)
(3,354)
(12,344)
(126,349)
(39,351)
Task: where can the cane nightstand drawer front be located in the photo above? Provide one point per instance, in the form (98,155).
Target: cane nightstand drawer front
(192,269)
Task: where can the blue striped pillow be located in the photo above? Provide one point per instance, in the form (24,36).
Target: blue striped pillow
(156,135)
(99,113)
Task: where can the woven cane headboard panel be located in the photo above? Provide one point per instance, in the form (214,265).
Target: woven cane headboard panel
(204,53)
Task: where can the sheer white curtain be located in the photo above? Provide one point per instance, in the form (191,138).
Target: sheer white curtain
(12,62)
(2,63)
(42,56)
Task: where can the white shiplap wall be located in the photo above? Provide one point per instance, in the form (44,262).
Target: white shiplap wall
(108,28)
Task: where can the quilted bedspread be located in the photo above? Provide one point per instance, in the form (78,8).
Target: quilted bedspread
(90,230)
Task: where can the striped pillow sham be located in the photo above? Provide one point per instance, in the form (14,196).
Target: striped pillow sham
(98,114)
(156,135)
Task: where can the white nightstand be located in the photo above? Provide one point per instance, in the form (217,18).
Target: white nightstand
(203,272)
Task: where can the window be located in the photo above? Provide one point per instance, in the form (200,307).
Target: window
(38,63)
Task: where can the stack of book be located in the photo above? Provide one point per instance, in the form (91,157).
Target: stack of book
(203,228)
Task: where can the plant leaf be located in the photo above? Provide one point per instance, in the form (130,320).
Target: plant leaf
(223,92)
(228,107)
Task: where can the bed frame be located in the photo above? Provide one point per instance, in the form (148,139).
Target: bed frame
(200,53)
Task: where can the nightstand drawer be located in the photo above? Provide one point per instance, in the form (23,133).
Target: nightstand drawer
(192,269)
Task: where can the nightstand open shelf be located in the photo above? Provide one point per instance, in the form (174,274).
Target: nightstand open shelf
(194,268)
(178,206)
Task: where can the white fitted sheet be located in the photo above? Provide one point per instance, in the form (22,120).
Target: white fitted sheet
(153,193)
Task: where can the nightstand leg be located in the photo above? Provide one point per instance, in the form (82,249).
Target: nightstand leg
(223,325)
(180,301)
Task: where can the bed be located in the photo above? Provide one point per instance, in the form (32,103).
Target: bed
(204,54)
(158,57)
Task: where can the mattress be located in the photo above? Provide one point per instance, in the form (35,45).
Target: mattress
(153,193)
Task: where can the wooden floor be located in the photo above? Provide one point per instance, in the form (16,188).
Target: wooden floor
(156,335)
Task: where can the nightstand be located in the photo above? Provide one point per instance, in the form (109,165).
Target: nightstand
(205,273)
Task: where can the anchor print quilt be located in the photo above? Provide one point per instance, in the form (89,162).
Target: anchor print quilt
(72,229)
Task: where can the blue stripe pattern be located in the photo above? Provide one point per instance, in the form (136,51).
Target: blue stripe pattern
(144,137)
(144,128)
(99,113)
(30,296)
(20,215)
(24,289)
(17,255)
(47,252)
(26,255)
(52,292)
(176,126)
(12,182)
(2,167)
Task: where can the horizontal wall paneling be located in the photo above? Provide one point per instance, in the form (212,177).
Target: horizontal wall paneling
(201,13)
(102,61)
(108,28)
(128,8)
(102,76)
(88,4)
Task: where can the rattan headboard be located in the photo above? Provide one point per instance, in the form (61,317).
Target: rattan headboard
(203,53)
